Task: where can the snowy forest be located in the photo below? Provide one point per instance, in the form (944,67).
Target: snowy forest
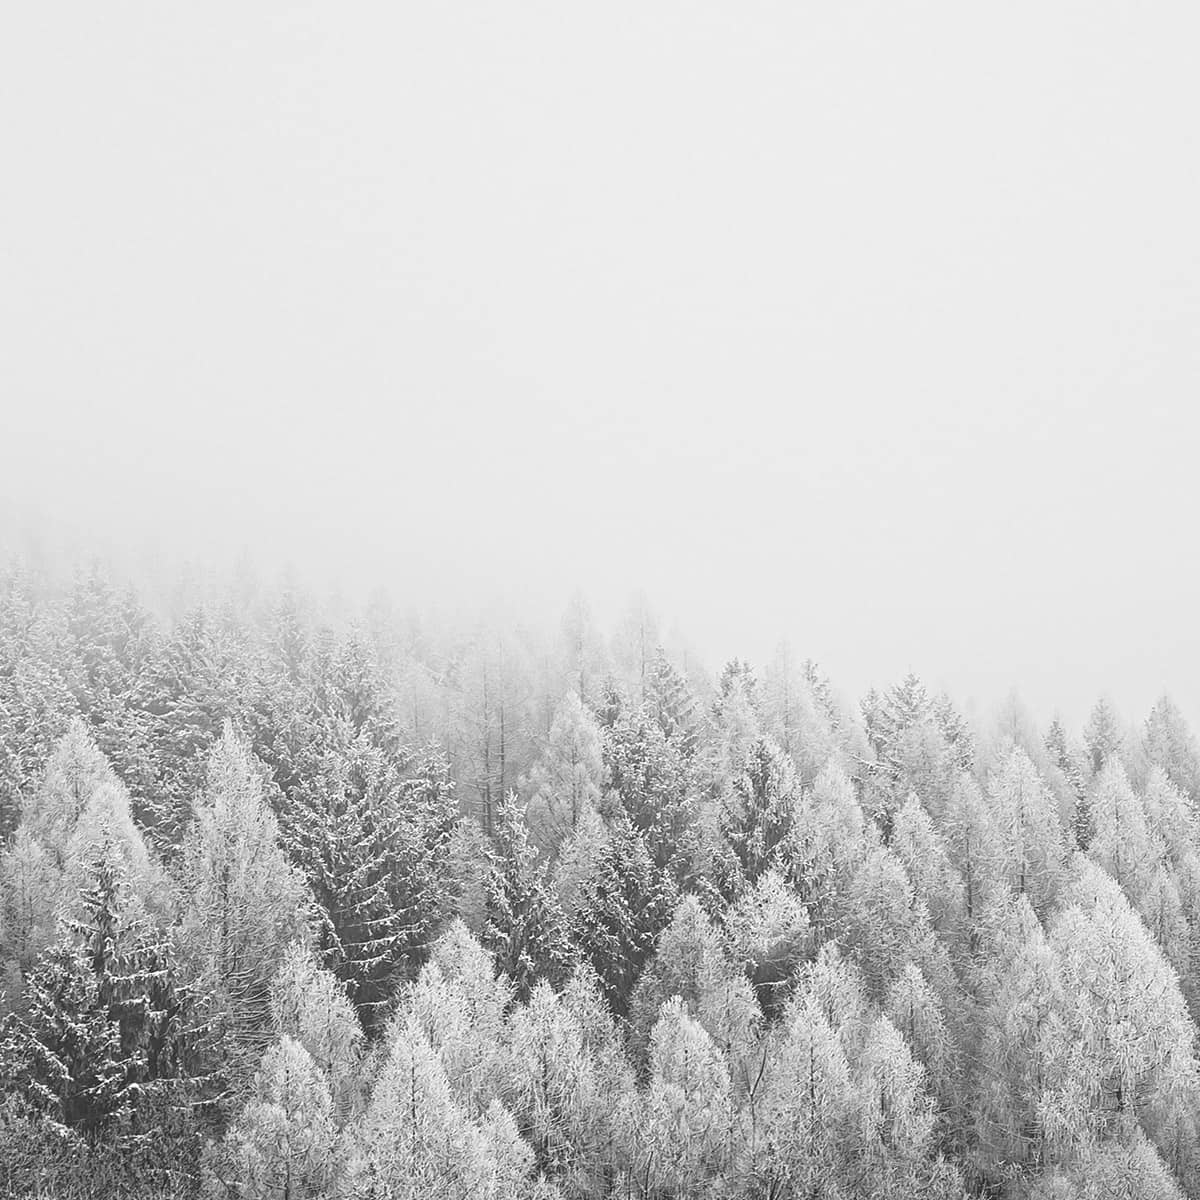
(302,900)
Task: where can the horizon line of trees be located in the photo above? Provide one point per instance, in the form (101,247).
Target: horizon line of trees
(290,911)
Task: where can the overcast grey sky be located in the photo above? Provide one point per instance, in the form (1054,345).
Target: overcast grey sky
(872,325)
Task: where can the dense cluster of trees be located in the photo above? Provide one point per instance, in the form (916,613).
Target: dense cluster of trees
(295,905)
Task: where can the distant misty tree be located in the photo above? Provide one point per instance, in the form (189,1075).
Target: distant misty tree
(795,715)
(1122,843)
(1026,820)
(1171,745)
(36,702)
(1102,734)
(670,701)
(567,779)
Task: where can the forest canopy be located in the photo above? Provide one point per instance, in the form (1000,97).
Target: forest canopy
(297,901)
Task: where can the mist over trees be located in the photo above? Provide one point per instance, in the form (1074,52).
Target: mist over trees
(300,903)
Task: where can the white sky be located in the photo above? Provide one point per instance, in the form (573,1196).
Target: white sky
(872,325)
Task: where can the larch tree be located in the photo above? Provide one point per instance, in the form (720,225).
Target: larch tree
(244,902)
(415,1140)
(690,962)
(895,1153)
(828,840)
(558,1095)
(1171,746)
(886,924)
(1131,1043)
(922,850)
(977,849)
(917,1012)
(1022,1054)
(681,1141)
(566,780)
(768,934)
(800,1115)
(1122,843)
(283,1144)
(459,1004)
(310,1005)
(1031,837)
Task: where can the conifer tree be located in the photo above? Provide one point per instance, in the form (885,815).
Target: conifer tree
(1031,838)
(245,903)
(801,1113)
(558,1095)
(525,929)
(895,1117)
(768,935)
(690,963)
(1122,843)
(108,1040)
(284,1143)
(1102,734)
(1171,746)
(975,846)
(309,1005)
(921,849)
(794,716)
(681,1141)
(567,778)
(1023,1054)
(624,903)
(459,1005)
(1131,1043)
(917,1013)
(650,775)
(756,819)
(671,703)
(828,841)
(886,923)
